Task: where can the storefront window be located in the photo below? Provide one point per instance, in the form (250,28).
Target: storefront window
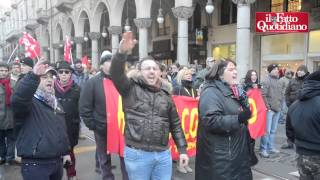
(294,5)
(224,51)
(277,5)
(314,41)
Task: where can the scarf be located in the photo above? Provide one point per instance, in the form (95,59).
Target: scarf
(47,98)
(7,88)
(63,88)
(240,95)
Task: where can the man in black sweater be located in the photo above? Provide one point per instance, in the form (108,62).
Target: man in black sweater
(303,120)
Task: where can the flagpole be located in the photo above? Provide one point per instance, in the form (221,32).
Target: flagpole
(36,54)
(14,50)
(71,56)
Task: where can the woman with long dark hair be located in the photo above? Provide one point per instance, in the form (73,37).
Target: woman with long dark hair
(251,80)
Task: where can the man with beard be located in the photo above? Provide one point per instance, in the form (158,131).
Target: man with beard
(42,141)
(7,137)
(303,120)
(79,76)
(291,95)
(68,94)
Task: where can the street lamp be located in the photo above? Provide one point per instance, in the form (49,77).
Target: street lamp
(104,32)
(127,26)
(85,38)
(209,7)
(160,18)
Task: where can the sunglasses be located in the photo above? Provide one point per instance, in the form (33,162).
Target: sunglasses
(64,71)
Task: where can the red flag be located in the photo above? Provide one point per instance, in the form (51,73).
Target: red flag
(257,123)
(187,108)
(31,46)
(67,50)
(85,61)
(115,119)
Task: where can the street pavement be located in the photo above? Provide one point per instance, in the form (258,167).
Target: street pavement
(276,167)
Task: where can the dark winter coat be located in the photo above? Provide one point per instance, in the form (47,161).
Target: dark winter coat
(150,113)
(292,90)
(222,142)
(80,78)
(42,129)
(272,93)
(92,104)
(70,103)
(304,119)
(185,90)
(6,115)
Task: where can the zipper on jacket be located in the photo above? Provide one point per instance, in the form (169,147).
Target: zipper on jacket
(229,147)
(36,147)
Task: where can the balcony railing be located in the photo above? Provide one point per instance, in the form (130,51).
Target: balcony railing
(64,5)
(42,16)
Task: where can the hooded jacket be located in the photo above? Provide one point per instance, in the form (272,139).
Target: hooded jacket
(222,142)
(150,113)
(304,119)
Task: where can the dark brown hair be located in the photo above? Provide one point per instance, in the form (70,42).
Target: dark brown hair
(247,79)
(217,69)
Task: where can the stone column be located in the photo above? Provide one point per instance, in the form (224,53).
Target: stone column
(55,47)
(78,41)
(115,31)
(243,37)
(183,14)
(143,24)
(94,36)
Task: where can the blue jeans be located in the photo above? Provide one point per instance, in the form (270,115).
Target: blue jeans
(142,165)
(7,144)
(42,169)
(267,141)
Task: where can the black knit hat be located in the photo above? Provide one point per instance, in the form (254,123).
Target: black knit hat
(315,76)
(63,65)
(271,67)
(27,61)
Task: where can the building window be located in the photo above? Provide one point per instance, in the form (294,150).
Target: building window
(294,5)
(224,51)
(314,41)
(277,5)
(228,13)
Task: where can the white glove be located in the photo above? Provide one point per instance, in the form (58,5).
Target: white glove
(66,158)
(183,160)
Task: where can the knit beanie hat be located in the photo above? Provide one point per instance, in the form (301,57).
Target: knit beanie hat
(271,67)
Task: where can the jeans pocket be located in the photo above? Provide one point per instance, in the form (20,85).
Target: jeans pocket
(130,154)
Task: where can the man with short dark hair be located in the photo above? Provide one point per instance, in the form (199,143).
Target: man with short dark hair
(150,116)
(7,136)
(272,94)
(79,76)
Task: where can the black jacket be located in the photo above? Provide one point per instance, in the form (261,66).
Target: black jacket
(70,103)
(304,119)
(185,89)
(92,104)
(42,130)
(150,114)
(222,142)
(292,90)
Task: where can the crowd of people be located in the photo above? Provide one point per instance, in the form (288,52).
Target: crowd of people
(43,105)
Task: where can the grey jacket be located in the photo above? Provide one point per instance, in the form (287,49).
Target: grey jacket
(6,115)
(272,93)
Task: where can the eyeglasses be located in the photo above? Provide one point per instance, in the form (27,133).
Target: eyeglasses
(64,71)
(150,68)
